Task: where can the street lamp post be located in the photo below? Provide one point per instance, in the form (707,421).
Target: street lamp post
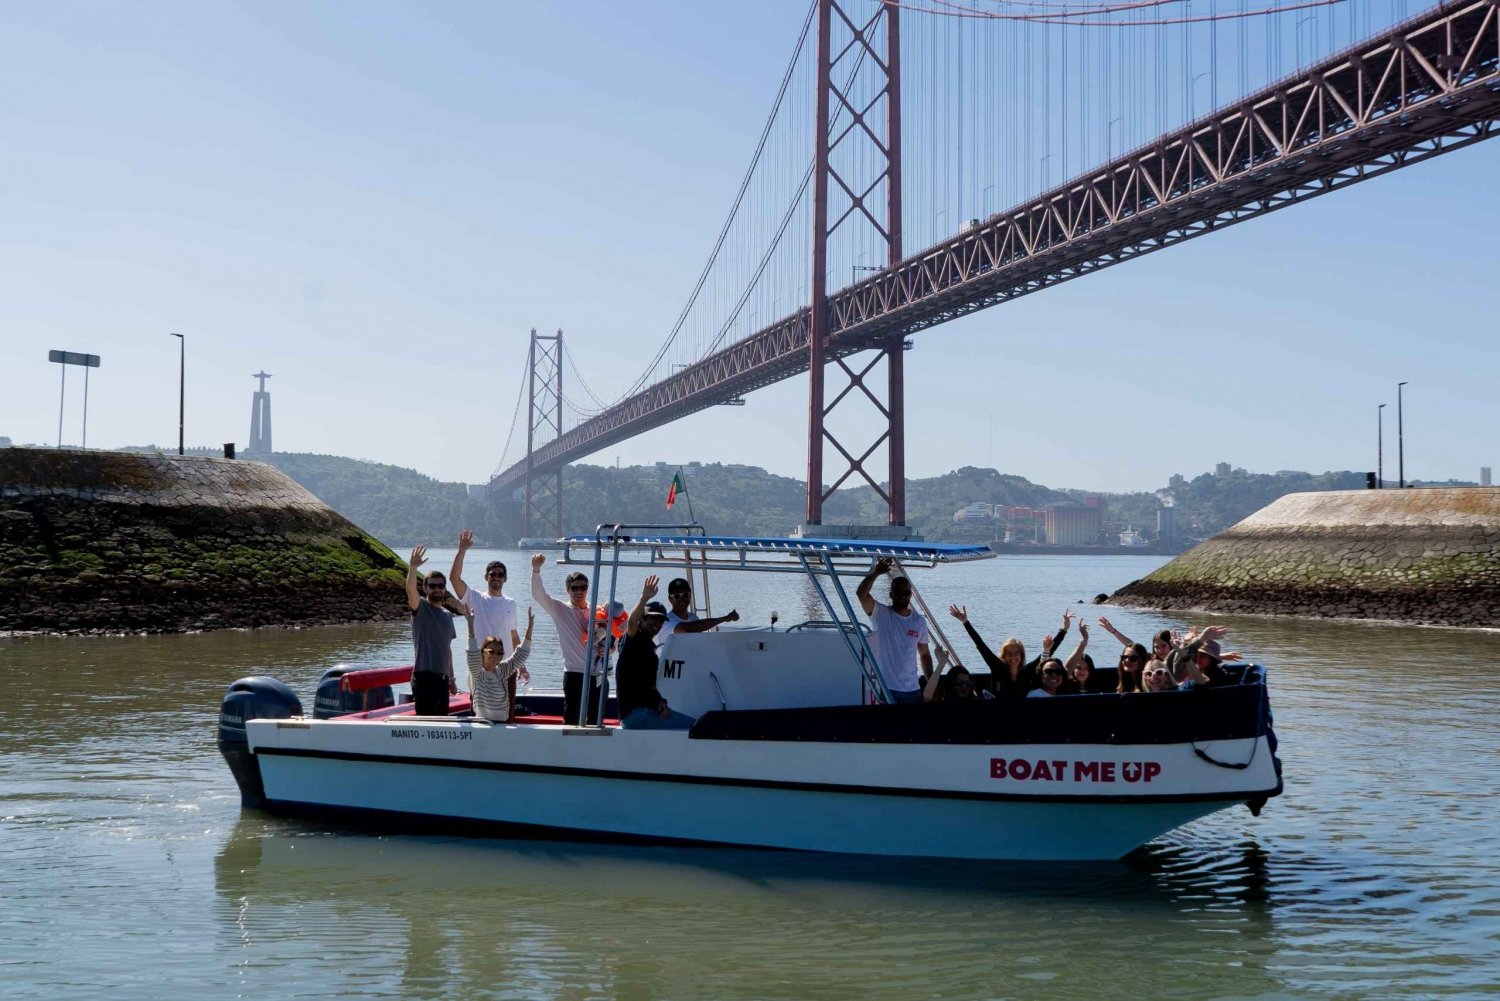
(181,387)
(1400,439)
(1380,447)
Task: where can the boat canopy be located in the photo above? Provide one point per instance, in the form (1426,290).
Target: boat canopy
(729,552)
(822,561)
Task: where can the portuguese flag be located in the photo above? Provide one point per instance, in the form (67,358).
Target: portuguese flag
(676,488)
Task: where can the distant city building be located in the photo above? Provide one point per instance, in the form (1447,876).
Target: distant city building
(1484,476)
(970,513)
(1073,524)
(260,417)
(1022,524)
(1222,469)
(1131,539)
(1166,522)
(1176,482)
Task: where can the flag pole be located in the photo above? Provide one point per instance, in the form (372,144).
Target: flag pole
(689,495)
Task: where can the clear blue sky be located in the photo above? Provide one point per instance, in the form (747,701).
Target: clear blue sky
(375,202)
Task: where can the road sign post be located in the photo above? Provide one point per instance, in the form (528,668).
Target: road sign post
(64,359)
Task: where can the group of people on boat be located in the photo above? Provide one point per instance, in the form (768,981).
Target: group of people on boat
(901,643)
(911,673)
(491,616)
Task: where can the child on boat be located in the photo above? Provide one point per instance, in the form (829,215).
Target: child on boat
(490,670)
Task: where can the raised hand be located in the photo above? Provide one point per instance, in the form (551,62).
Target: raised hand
(418,557)
(1232,655)
(882,566)
(959,612)
(648,590)
(1047,645)
(1215,632)
(1083,629)
(1067,618)
(1105,623)
(465,540)
(733,616)
(537,561)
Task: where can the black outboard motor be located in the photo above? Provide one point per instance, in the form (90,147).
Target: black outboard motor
(332,700)
(247,699)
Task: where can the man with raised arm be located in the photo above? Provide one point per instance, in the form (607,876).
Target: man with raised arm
(494,611)
(571,618)
(682,619)
(432,634)
(901,636)
(642,706)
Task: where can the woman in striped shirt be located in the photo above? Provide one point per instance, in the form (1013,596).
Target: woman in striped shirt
(490,669)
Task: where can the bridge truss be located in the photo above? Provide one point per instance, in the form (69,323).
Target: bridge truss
(1427,86)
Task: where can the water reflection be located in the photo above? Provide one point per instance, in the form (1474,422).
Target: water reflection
(585,920)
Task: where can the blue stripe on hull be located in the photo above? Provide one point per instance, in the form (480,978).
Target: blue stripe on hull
(463,801)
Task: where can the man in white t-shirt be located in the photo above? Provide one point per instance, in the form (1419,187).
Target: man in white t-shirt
(494,613)
(682,619)
(901,636)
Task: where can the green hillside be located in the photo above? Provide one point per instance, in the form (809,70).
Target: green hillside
(403,507)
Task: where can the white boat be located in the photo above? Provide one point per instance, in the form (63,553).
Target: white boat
(795,744)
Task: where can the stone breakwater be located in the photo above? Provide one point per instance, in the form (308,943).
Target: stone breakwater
(1415,556)
(104,542)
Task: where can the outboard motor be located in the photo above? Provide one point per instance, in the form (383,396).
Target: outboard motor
(332,700)
(247,699)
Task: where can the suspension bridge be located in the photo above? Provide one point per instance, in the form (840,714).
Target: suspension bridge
(925,159)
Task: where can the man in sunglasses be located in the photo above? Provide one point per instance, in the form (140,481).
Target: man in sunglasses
(494,612)
(432,634)
(682,619)
(572,619)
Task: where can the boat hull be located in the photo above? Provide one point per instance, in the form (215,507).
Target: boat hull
(1065,802)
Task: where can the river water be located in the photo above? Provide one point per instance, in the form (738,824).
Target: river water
(128,868)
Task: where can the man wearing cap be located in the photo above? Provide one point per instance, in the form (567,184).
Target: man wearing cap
(642,707)
(682,618)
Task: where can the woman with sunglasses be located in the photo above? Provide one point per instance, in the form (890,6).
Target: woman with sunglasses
(1132,660)
(1052,675)
(1157,677)
(1162,643)
(955,686)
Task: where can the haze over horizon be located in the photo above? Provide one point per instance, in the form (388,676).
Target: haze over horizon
(376,210)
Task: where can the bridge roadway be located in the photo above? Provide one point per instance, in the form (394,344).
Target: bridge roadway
(1427,86)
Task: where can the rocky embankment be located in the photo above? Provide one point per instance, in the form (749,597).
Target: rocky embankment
(1415,556)
(105,542)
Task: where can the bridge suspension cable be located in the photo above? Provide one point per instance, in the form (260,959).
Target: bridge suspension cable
(1001,102)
